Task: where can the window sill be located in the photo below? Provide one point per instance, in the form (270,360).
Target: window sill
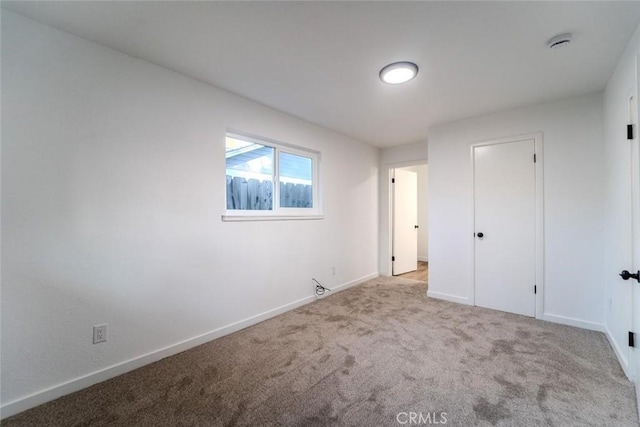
(237,218)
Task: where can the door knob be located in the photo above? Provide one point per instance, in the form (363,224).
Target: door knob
(480,235)
(626,275)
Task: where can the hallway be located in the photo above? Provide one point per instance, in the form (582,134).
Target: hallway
(422,273)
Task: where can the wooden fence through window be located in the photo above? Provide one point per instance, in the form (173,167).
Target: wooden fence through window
(253,194)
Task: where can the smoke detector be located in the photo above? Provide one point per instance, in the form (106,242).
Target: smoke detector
(560,40)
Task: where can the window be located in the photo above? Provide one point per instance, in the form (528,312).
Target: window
(269,180)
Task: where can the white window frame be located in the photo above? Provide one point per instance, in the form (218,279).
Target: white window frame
(279,213)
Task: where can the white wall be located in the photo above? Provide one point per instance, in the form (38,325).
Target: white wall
(573,208)
(403,154)
(617,243)
(423,211)
(112,194)
(392,157)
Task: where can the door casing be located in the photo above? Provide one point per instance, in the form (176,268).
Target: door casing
(403,265)
(634,176)
(386,250)
(537,137)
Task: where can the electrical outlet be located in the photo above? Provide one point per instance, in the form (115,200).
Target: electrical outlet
(99,333)
(333,271)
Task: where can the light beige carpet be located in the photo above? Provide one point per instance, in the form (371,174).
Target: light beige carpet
(369,356)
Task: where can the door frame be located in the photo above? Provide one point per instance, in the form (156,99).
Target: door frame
(537,137)
(386,252)
(394,216)
(634,205)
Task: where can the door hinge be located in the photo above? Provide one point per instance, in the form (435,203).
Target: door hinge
(632,339)
(393,258)
(629,132)
(535,289)
(535,158)
(393,180)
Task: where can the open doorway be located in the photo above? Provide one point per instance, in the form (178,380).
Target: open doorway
(409,222)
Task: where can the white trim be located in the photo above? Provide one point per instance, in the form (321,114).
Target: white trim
(632,372)
(355,282)
(570,321)
(539,151)
(632,109)
(259,139)
(392,219)
(537,137)
(423,259)
(277,210)
(32,400)
(407,164)
(388,170)
(350,284)
(391,173)
(624,362)
(232,218)
(449,297)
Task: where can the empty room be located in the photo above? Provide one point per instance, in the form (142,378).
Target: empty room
(319,213)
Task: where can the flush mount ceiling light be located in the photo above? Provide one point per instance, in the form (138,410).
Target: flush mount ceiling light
(561,40)
(399,72)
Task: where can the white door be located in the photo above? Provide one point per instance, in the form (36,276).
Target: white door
(405,221)
(624,301)
(505,226)
(634,151)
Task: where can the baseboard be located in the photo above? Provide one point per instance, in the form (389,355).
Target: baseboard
(355,282)
(449,297)
(624,362)
(423,259)
(570,321)
(22,404)
(348,285)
